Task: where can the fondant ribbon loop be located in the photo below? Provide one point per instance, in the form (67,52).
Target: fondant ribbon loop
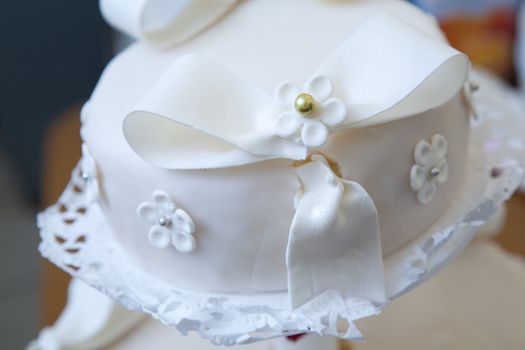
(160,22)
(334,242)
(200,115)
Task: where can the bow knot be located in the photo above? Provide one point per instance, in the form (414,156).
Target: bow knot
(200,115)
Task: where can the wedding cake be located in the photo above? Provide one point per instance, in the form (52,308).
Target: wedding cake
(254,169)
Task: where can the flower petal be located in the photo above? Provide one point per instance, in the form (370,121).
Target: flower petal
(286,93)
(185,243)
(418,176)
(314,134)
(287,124)
(164,203)
(333,112)
(183,222)
(320,87)
(149,213)
(159,237)
(440,145)
(423,154)
(443,171)
(427,193)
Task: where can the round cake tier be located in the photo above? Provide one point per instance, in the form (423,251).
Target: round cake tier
(242,214)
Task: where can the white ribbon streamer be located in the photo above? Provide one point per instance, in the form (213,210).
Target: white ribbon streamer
(200,115)
(334,242)
(163,23)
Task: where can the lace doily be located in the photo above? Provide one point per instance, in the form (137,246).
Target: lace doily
(77,238)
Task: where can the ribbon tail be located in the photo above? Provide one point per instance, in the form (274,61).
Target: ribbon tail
(334,242)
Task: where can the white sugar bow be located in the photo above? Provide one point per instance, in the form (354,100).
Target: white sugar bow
(410,73)
(163,23)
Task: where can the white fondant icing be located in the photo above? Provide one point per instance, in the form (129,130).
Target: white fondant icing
(244,213)
(373,73)
(169,224)
(431,168)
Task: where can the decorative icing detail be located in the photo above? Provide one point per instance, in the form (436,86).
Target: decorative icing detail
(169,224)
(311,114)
(431,168)
(374,88)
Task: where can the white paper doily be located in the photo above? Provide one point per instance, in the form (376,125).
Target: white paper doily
(77,238)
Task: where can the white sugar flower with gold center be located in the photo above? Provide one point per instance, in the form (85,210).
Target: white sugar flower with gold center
(311,113)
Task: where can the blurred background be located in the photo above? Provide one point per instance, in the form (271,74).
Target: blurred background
(53,52)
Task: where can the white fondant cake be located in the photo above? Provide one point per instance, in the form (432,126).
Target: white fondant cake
(243,214)
(288,167)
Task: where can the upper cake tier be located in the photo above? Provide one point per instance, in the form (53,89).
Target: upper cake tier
(236,220)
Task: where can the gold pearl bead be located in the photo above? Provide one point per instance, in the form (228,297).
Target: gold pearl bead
(305,104)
